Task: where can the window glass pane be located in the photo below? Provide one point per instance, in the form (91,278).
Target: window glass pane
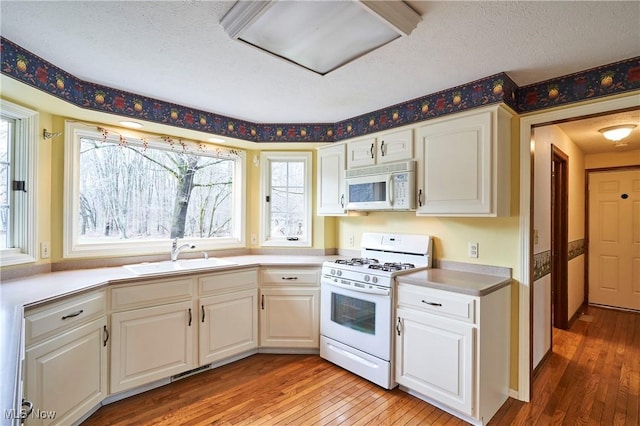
(6,138)
(132,193)
(288,199)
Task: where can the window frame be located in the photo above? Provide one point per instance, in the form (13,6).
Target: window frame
(266,239)
(24,205)
(73,249)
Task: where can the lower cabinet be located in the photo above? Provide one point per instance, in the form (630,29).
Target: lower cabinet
(290,308)
(453,349)
(229,325)
(289,317)
(66,372)
(435,358)
(152,343)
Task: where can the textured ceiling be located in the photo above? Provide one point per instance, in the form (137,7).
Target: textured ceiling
(177,52)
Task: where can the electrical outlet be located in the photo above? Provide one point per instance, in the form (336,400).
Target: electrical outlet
(351,240)
(473,250)
(254,239)
(44,250)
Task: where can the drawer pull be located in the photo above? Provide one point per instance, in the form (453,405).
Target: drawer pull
(398,325)
(289,278)
(432,303)
(72,314)
(27,409)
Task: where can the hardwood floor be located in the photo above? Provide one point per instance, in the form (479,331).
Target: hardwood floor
(592,378)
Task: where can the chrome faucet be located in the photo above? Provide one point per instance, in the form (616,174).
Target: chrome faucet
(175,250)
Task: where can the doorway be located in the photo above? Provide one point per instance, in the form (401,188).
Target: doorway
(559,238)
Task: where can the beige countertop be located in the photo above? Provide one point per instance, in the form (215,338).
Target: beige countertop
(470,283)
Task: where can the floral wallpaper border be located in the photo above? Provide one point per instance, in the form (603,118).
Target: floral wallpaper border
(542,260)
(606,80)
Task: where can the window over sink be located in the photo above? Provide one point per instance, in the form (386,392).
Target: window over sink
(134,193)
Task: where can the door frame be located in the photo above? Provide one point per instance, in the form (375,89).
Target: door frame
(524,275)
(559,239)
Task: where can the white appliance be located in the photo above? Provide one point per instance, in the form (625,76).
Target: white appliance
(356,305)
(384,187)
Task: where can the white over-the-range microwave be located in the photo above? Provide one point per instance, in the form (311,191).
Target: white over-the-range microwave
(383,187)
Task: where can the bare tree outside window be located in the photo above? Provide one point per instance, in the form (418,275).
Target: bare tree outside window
(132,192)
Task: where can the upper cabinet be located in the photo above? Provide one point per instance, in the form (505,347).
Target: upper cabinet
(387,148)
(464,165)
(330,180)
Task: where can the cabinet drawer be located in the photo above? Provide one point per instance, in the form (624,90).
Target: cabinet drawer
(223,282)
(452,305)
(151,293)
(290,277)
(54,318)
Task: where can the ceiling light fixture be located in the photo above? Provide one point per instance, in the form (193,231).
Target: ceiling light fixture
(616,133)
(131,124)
(319,35)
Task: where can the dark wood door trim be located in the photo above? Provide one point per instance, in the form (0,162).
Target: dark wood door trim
(559,237)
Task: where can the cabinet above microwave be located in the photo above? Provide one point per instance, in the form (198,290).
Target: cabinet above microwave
(386,148)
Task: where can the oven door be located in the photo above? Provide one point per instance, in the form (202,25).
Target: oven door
(358,318)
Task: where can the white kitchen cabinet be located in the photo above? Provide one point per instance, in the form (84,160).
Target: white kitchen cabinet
(228,323)
(386,148)
(153,324)
(66,339)
(464,164)
(290,308)
(152,343)
(453,349)
(330,180)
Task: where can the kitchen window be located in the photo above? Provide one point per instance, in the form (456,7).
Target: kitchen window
(286,199)
(18,182)
(133,194)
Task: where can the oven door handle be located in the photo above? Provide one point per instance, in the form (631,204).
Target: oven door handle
(375,290)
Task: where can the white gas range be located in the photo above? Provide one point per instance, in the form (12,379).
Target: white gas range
(357,303)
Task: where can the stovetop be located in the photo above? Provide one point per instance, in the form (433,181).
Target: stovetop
(375,264)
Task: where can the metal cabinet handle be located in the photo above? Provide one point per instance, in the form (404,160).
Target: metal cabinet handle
(432,303)
(106,336)
(373,153)
(289,278)
(73,314)
(342,201)
(262,302)
(398,325)
(420,198)
(202,313)
(26,412)
(190,317)
(382,149)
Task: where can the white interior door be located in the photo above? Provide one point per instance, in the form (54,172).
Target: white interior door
(614,238)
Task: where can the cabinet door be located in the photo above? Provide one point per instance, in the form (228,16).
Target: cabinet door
(67,374)
(396,146)
(434,357)
(228,325)
(290,317)
(361,153)
(456,172)
(151,343)
(331,188)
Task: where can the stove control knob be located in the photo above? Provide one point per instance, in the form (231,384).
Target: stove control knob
(339,273)
(333,272)
(374,280)
(367,278)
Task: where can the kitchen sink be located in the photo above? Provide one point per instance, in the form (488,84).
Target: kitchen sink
(156,268)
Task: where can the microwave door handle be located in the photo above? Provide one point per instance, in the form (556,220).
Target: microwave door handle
(390,190)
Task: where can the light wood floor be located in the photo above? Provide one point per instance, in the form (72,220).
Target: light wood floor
(592,378)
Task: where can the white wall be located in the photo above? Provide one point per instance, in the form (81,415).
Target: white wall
(544,138)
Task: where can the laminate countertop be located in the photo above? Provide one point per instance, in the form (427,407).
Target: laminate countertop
(470,283)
